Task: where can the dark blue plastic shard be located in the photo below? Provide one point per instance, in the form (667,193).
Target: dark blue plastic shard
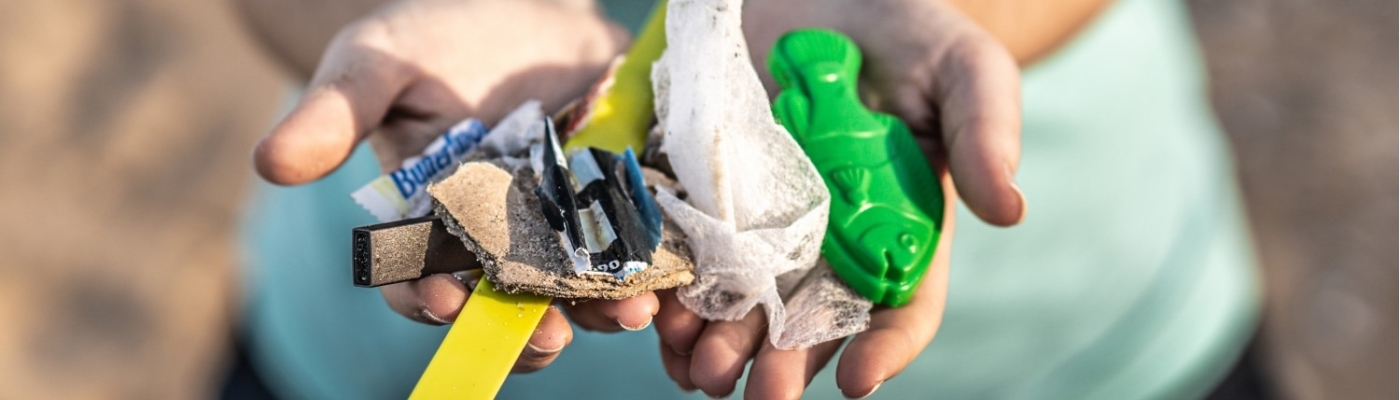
(642,199)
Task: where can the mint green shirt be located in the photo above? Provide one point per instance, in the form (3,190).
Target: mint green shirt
(1130,279)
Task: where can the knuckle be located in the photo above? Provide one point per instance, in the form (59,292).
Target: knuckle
(373,33)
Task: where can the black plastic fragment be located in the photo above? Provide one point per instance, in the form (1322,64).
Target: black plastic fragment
(626,224)
(556,192)
(603,219)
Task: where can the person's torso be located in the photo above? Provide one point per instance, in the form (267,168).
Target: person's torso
(1129,279)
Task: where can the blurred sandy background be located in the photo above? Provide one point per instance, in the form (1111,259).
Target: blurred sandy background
(125,128)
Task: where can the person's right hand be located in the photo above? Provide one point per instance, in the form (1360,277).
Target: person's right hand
(958,89)
(404,74)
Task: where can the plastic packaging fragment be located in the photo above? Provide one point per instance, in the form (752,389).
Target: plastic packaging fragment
(642,198)
(515,132)
(557,201)
(756,207)
(400,193)
(600,228)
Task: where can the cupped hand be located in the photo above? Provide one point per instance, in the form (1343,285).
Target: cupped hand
(404,74)
(959,91)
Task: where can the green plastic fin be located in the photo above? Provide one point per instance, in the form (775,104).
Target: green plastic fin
(792,109)
(813,47)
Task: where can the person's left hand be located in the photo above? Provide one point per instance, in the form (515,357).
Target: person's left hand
(402,75)
(958,89)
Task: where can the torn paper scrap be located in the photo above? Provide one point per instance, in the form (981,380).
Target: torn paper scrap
(821,308)
(756,207)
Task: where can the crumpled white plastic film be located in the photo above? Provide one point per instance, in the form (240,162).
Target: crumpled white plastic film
(516,132)
(756,207)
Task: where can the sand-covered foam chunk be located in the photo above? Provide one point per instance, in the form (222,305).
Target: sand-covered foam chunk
(498,217)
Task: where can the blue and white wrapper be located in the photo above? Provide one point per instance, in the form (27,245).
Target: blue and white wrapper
(402,193)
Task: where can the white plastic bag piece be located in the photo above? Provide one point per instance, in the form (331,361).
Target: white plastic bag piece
(513,136)
(756,207)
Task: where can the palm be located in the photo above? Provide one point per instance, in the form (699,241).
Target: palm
(958,90)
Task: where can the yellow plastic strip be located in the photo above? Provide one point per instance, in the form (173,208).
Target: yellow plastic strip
(480,349)
(621,116)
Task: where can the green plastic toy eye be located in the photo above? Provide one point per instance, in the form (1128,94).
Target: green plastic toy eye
(886,204)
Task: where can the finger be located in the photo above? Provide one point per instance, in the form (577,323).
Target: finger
(897,335)
(785,374)
(550,337)
(633,314)
(895,338)
(676,325)
(435,299)
(722,350)
(977,92)
(677,367)
(677,328)
(351,91)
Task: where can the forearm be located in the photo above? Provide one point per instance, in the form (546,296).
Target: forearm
(1027,29)
(1031,29)
(296,31)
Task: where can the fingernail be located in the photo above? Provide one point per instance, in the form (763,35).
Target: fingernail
(428,315)
(872,391)
(469,278)
(678,352)
(644,325)
(1024,205)
(1020,196)
(542,351)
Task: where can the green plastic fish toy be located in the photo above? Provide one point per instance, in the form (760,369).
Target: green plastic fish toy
(887,205)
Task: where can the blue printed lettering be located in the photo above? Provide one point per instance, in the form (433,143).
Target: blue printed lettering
(402,182)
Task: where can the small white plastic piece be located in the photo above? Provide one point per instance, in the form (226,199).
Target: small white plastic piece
(515,132)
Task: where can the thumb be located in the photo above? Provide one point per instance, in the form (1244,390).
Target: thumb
(978,91)
(349,95)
